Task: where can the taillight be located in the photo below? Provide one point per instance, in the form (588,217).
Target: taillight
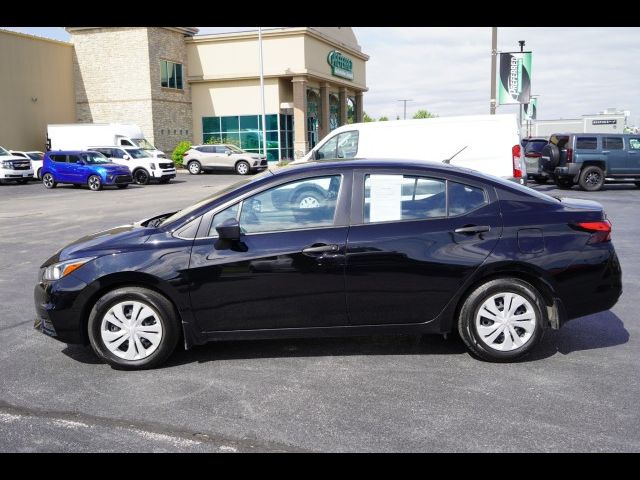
(517,166)
(185,154)
(600,230)
(569,155)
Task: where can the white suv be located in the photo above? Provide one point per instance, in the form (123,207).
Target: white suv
(201,158)
(14,168)
(142,165)
(35,157)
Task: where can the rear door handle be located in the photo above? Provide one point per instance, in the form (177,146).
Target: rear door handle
(320,249)
(472,229)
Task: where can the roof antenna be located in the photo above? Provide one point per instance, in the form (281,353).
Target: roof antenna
(448,160)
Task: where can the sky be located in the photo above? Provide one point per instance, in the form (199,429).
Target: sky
(446,70)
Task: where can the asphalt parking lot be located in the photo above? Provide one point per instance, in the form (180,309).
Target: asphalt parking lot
(577,392)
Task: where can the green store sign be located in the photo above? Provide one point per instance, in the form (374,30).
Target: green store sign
(341,66)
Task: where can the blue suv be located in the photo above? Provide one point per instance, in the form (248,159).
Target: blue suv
(83,168)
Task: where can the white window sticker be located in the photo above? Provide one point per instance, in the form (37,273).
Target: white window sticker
(385,198)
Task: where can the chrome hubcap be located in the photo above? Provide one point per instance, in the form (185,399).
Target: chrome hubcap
(131,330)
(309,202)
(48,180)
(94,183)
(243,168)
(505,321)
(194,168)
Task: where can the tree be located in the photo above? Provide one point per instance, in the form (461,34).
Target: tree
(383,119)
(367,118)
(424,114)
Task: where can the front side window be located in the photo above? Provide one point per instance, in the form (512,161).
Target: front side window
(634,143)
(343,145)
(226,214)
(91,158)
(170,75)
(126,143)
(390,198)
(308,203)
(612,143)
(137,153)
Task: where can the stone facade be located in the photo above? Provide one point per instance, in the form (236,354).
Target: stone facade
(117,77)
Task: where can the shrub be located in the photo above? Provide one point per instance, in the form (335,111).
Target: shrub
(182,147)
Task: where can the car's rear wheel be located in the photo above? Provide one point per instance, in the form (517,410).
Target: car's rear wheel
(308,199)
(502,320)
(95,183)
(194,167)
(242,168)
(591,178)
(141,176)
(133,328)
(48,181)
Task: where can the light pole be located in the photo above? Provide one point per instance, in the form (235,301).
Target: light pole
(264,116)
(494,54)
(405,106)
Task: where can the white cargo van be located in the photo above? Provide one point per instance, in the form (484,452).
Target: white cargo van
(486,143)
(78,136)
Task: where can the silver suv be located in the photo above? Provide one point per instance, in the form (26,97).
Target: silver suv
(201,158)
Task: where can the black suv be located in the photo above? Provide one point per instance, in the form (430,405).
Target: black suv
(590,159)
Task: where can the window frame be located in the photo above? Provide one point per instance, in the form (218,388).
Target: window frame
(358,191)
(616,137)
(172,73)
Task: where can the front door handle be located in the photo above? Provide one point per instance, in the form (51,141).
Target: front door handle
(320,249)
(471,229)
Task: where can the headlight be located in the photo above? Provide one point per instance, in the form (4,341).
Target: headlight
(153,166)
(7,165)
(62,269)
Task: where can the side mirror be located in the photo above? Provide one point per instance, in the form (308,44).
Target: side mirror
(228,152)
(229,230)
(314,154)
(126,157)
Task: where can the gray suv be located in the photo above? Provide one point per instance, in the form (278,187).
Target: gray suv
(590,159)
(201,158)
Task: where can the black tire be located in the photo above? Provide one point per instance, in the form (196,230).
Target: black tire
(141,176)
(467,319)
(94,182)
(307,198)
(552,153)
(540,180)
(166,316)
(122,186)
(194,167)
(48,181)
(564,183)
(243,168)
(591,178)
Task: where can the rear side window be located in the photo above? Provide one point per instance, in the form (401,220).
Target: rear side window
(390,198)
(58,158)
(586,143)
(464,198)
(612,143)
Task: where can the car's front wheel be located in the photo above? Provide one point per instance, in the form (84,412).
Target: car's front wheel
(133,328)
(502,319)
(95,183)
(48,181)
(141,176)
(242,168)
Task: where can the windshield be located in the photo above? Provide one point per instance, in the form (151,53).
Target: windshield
(137,153)
(143,143)
(185,212)
(3,152)
(94,158)
(234,149)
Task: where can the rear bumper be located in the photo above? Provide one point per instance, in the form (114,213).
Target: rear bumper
(571,170)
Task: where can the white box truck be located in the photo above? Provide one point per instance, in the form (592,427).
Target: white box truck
(486,143)
(79,136)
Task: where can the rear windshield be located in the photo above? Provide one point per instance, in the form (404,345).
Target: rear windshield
(535,146)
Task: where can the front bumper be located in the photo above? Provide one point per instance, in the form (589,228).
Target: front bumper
(10,174)
(58,307)
(164,173)
(118,179)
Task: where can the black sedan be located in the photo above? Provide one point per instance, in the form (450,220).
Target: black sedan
(383,247)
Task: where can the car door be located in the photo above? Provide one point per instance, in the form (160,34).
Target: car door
(633,155)
(287,271)
(413,241)
(207,156)
(616,155)
(59,167)
(78,170)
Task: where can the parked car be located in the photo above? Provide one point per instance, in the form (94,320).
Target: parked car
(205,158)
(532,152)
(83,168)
(143,166)
(35,157)
(14,168)
(405,247)
(486,143)
(591,159)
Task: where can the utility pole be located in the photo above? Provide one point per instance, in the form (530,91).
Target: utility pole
(405,107)
(264,116)
(494,54)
